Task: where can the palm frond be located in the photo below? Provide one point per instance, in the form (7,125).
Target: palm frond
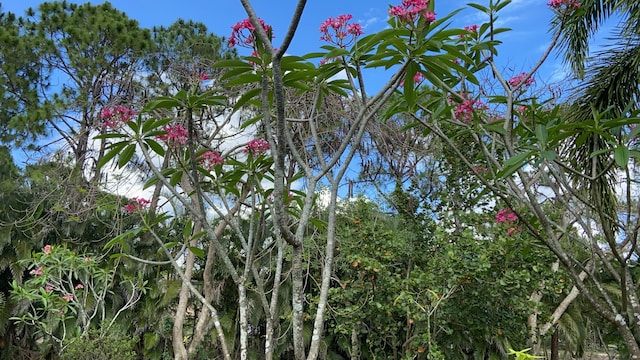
(578,28)
(611,86)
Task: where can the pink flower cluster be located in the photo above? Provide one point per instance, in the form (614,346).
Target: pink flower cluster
(242,34)
(36,272)
(469,28)
(47,249)
(411,10)
(339,32)
(113,117)
(520,78)
(417,78)
(210,159)
(134,205)
(558,4)
(256,147)
(328,61)
(464,110)
(175,134)
(506,215)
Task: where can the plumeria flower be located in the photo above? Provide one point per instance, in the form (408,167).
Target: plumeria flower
(243,33)
(505,216)
(256,147)
(210,159)
(174,134)
(79,286)
(464,111)
(68,297)
(520,78)
(134,205)
(411,10)
(116,115)
(339,32)
(36,272)
(560,4)
(47,249)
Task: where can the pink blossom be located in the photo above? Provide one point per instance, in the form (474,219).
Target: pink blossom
(79,286)
(175,134)
(411,10)
(471,29)
(520,78)
(113,117)
(36,272)
(429,16)
(210,159)
(48,288)
(134,205)
(47,249)
(339,32)
(203,76)
(243,33)
(256,147)
(481,170)
(559,4)
(506,216)
(87,259)
(67,297)
(464,111)
(417,79)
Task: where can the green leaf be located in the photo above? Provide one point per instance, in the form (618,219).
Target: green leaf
(549,155)
(495,128)
(542,134)
(246,97)
(155,146)
(114,150)
(336,52)
(175,178)
(121,239)
(621,156)
(162,103)
(188,229)
(126,155)
(513,164)
(197,252)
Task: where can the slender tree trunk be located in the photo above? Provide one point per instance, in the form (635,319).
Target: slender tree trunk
(179,349)
(244,323)
(555,353)
(270,331)
(297,303)
(203,323)
(629,340)
(355,344)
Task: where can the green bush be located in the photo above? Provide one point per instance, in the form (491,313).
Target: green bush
(97,346)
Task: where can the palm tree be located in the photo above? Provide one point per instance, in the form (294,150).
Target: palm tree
(609,86)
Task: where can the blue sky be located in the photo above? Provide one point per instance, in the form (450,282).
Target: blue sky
(522,47)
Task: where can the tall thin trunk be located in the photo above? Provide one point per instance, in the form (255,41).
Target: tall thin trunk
(273,306)
(179,349)
(555,353)
(244,323)
(297,302)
